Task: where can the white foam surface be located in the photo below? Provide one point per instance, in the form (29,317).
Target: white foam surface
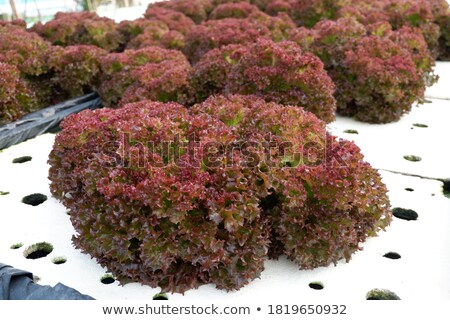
(441,89)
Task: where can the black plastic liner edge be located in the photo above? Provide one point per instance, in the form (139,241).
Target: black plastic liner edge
(17,284)
(44,120)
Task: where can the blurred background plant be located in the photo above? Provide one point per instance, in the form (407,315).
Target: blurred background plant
(92,5)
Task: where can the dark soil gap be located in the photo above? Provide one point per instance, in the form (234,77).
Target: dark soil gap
(107,279)
(446,187)
(34,199)
(405,214)
(160,296)
(316,285)
(22,159)
(392,255)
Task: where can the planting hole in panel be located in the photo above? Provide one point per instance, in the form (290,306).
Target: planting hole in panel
(22,159)
(34,199)
(107,279)
(38,250)
(316,285)
(392,255)
(160,296)
(446,188)
(405,214)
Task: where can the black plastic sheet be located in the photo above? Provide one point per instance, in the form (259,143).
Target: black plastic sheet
(17,284)
(44,120)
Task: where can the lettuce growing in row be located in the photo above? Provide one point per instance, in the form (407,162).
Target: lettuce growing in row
(217,33)
(176,198)
(347,35)
(16,97)
(276,72)
(143,33)
(75,28)
(427,16)
(378,73)
(26,50)
(148,73)
(197,10)
(233,10)
(76,69)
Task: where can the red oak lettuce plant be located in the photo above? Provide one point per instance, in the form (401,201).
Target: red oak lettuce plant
(80,28)
(399,13)
(378,72)
(277,72)
(177,198)
(197,10)
(148,73)
(176,21)
(233,10)
(76,69)
(131,29)
(426,15)
(24,58)
(217,33)
(16,97)
(26,50)
(276,6)
(281,73)
(48,74)
(209,76)
(142,33)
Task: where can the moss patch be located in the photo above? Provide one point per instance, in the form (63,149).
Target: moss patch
(59,260)
(16,245)
(412,158)
(381,294)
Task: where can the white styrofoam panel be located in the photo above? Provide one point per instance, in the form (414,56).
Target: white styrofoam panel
(440,90)
(385,145)
(423,272)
